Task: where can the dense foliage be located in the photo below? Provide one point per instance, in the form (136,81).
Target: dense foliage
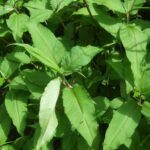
(74,74)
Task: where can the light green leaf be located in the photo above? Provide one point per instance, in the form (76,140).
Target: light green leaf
(80,110)
(144,84)
(46,42)
(38,10)
(110,24)
(43,58)
(47,117)
(18,24)
(2,81)
(78,57)
(16,106)
(123,7)
(5,9)
(135,47)
(122,126)
(7,67)
(5,124)
(19,57)
(59,4)
(8,147)
(116,102)
(146,109)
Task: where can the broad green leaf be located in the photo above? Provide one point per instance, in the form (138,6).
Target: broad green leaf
(115,5)
(46,42)
(38,10)
(123,6)
(18,84)
(43,58)
(19,57)
(18,24)
(5,9)
(109,23)
(122,126)
(5,124)
(16,106)
(80,110)
(135,47)
(35,82)
(78,57)
(146,109)
(47,117)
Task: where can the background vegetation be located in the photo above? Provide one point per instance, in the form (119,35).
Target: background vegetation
(74,75)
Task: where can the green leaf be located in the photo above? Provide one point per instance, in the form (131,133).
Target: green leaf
(5,9)
(144,85)
(16,106)
(123,7)
(59,4)
(7,147)
(102,104)
(7,67)
(47,117)
(19,57)
(80,110)
(2,80)
(5,124)
(109,23)
(38,10)
(135,47)
(18,24)
(46,42)
(122,126)
(35,82)
(78,57)
(43,58)
(146,109)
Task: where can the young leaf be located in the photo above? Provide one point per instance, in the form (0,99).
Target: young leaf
(38,11)
(135,47)
(80,110)
(16,106)
(17,23)
(47,117)
(122,125)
